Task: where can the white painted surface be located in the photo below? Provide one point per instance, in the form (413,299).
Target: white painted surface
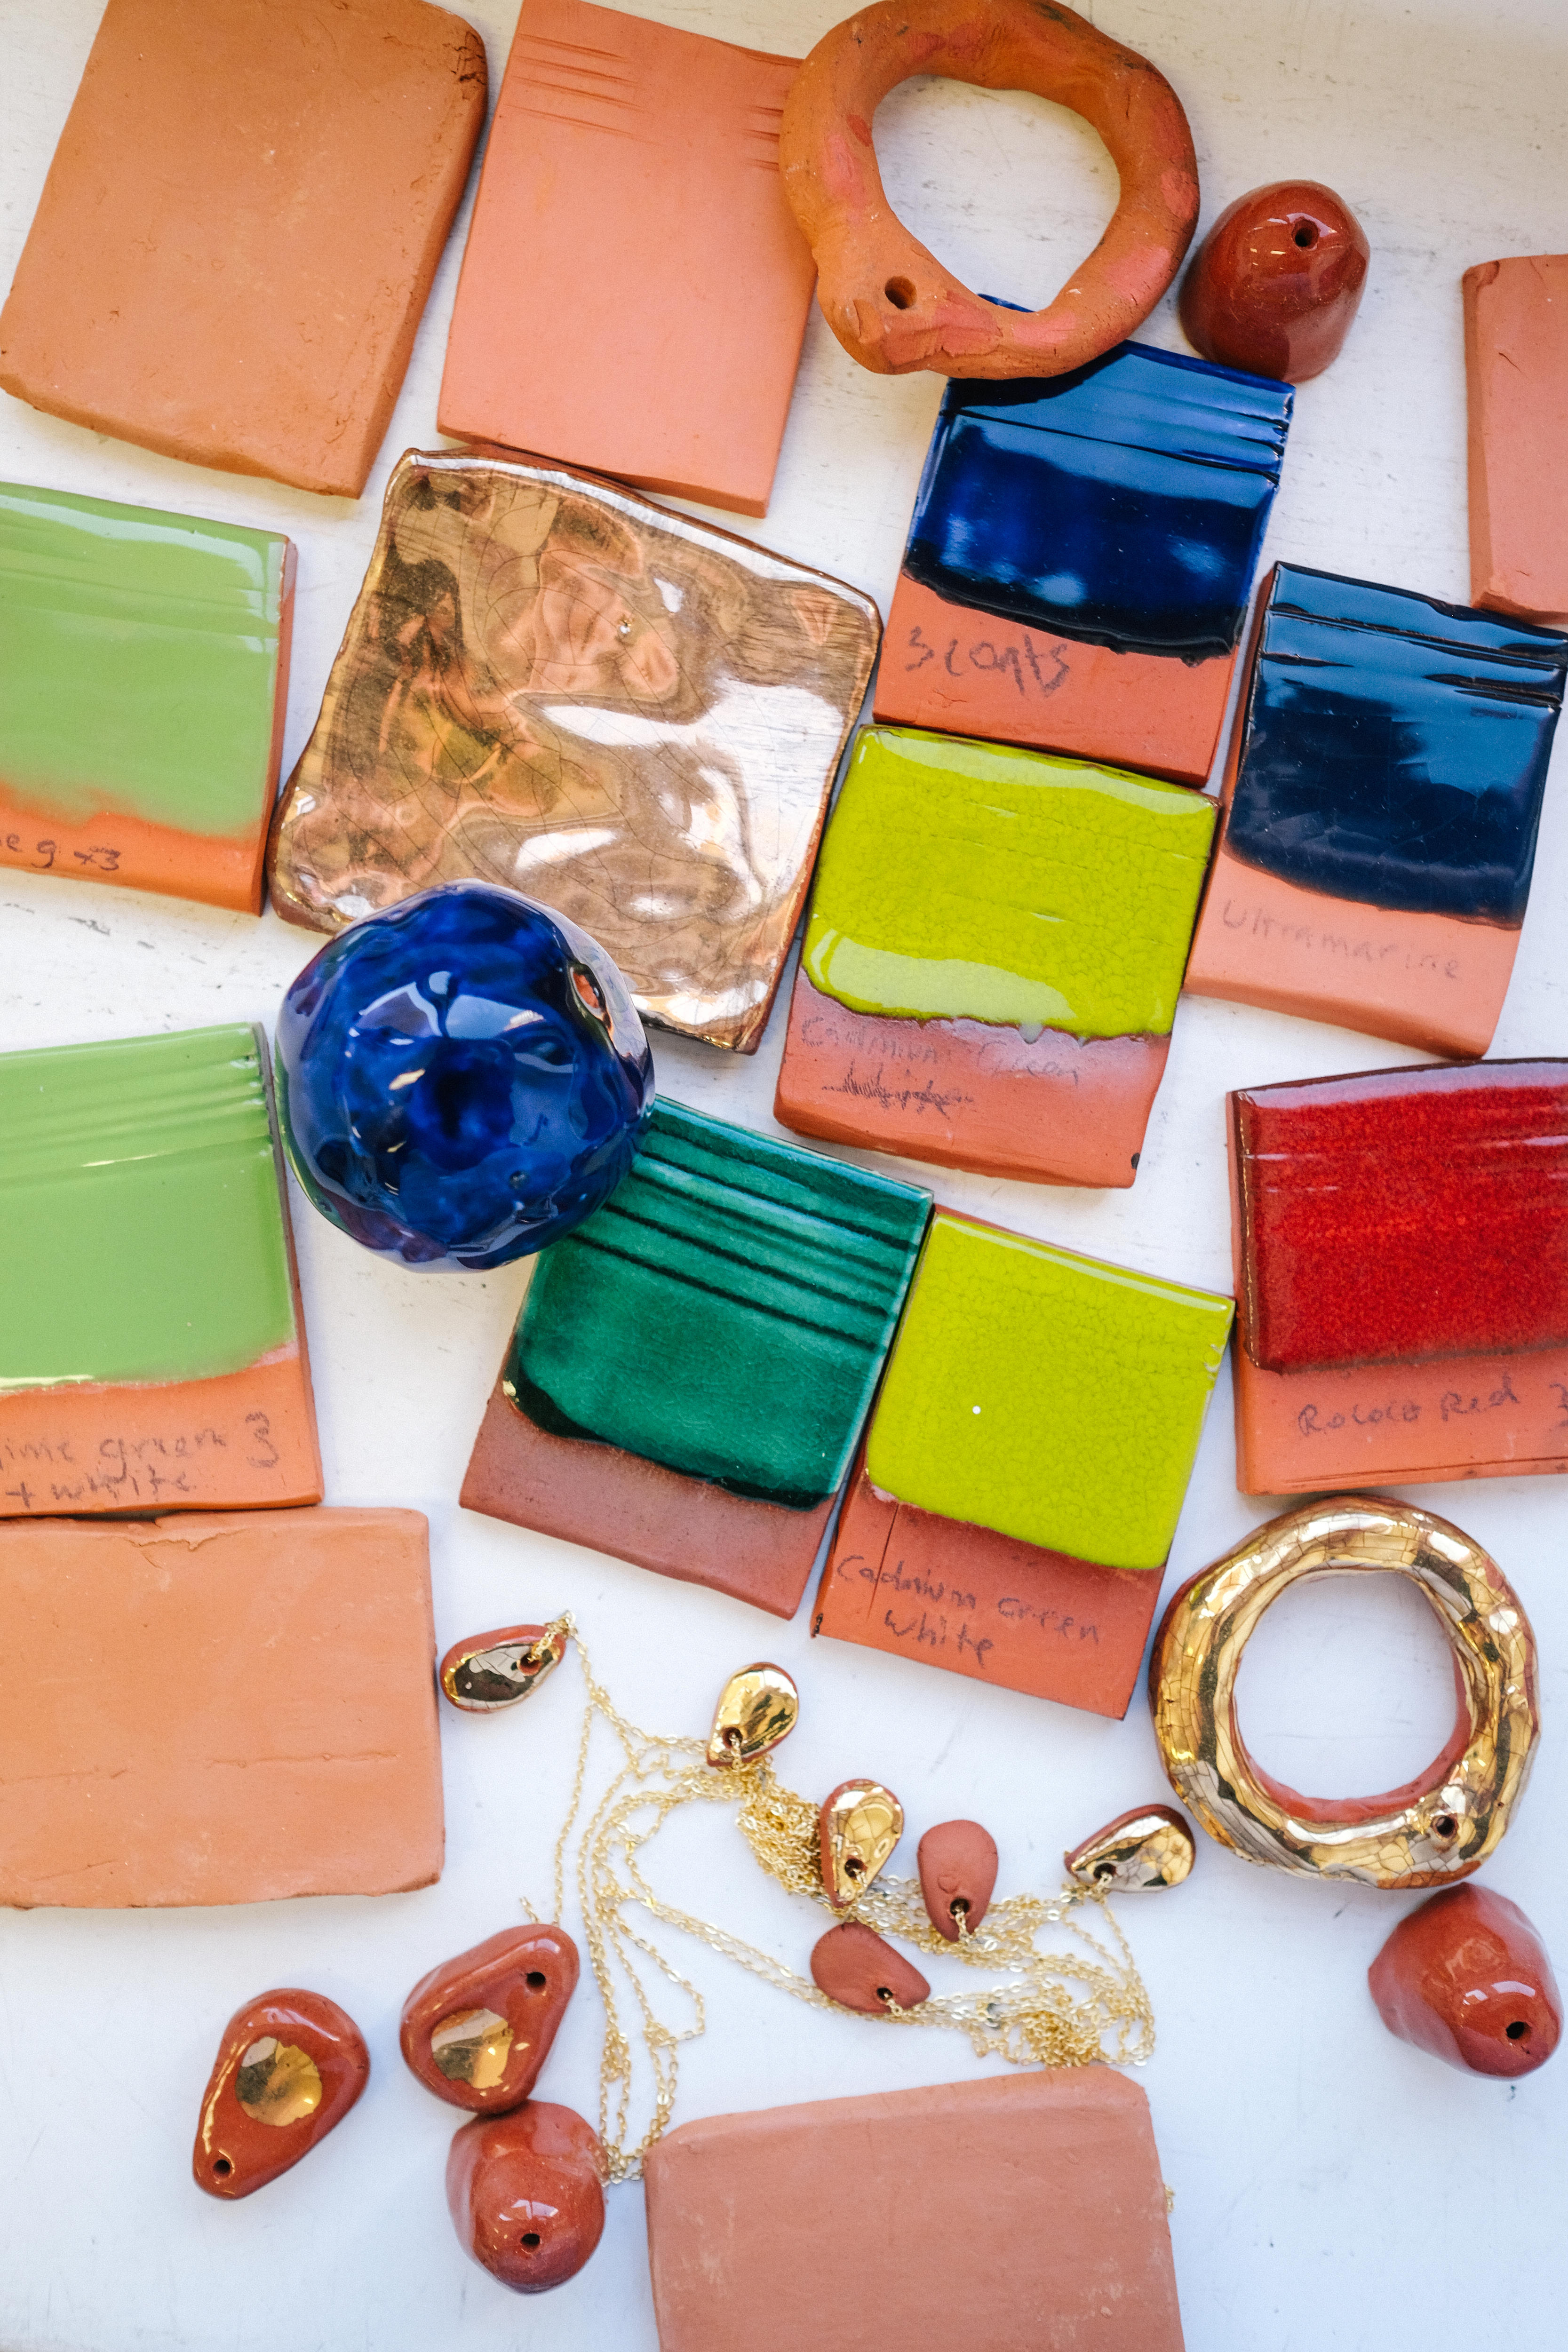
(1333,2188)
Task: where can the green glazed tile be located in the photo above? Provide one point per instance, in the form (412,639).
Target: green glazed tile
(1046,1395)
(726,1313)
(968,880)
(141,1232)
(138,656)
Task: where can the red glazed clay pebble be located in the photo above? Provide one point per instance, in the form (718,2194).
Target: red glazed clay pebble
(477,2029)
(958,1872)
(855,1968)
(1465,1977)
(526,2194)
(290,2067)
(1277,282)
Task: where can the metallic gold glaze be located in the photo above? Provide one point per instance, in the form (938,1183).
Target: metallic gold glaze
(472,2045)
(491,1671)
(1152,1847)
(550,683)
(1436,1830)
(278,2083)
(757,1709)
(857,1828)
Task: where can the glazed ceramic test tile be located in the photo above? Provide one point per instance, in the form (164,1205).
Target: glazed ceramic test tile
(152,1349)
(1516,370)
(1025,1465)
(692,1366)
(1385,788)
(240,226)
(1080,559)
(1402,1272)
(144,678)
(550,683)
(992,958)
(634,290)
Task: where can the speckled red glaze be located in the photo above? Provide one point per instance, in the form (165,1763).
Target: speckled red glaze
(957,1864)
(499,1974)
(1461,1975)
(234,2155)
(537,2173)
(1275,285)
(853,1966)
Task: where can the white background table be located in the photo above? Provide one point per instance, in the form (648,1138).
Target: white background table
(1333,2188)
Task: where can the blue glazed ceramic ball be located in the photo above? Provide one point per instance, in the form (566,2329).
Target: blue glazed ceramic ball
(462,1079)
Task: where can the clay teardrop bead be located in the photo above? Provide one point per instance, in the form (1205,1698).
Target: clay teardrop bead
(290,2066)
(477,2029)
(854,1966)
(856,1829)
(526,2194)
(1466,1977)
(958,1874)
(1276,283)
(1149,1847)
(487,1672)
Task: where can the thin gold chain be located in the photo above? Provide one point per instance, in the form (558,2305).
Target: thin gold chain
(1034,2017)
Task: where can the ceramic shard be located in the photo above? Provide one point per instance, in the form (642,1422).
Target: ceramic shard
(1383,790)
(1080,559)
(143,679)
(631,207)
(240,227)
(216,1709)
(635,718)
(1516,368)
(993,958)
(152,1346)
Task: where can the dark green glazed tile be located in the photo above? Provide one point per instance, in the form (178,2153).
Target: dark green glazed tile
(726,1313)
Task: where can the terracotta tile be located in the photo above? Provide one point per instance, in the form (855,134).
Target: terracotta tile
(1516,369)
(240,227)
(631,185)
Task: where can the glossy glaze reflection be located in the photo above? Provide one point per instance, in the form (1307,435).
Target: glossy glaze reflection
(477,2028)
(461,1079)
(1123,504)
(290,2066)
(1275,284)
(526,2194)
(550,683)
(1466,1977)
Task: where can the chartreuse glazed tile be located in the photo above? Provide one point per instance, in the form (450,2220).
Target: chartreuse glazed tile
(1047,1396)
(969,880)
(725,1314)
(141,1223)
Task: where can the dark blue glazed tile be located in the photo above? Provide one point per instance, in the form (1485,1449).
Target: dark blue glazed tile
(1122,504)
(1395,748)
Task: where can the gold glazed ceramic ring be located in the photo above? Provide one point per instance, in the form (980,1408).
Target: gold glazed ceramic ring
(890,303)
(1439,1828)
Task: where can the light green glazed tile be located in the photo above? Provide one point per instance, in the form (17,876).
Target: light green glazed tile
(1046,1395)
(141,1232)
(963,879)
(139,656)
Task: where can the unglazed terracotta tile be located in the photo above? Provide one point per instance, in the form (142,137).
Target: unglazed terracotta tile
(1080,559)
(216,1709)
(631,188)
(1516,368)
(240,227)
(692,1366)
(1027,2210)
(992,958)
(1400,1244)
(151,1345)
(143,679)
(1382,799)
(635,718)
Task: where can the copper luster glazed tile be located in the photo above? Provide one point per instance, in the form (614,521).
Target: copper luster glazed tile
(290,2065)
(1024,2215)
(240,226)
(550,683)
(1516,367)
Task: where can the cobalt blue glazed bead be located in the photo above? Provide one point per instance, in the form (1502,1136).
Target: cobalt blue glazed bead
(461,1079)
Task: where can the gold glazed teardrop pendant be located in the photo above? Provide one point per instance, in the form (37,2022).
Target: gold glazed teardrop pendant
(1151,1847)
(757,1709)
(857,1828)
(491,1671)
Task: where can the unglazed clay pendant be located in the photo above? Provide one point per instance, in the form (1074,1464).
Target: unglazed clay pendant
(476,2030)
(1152,1846)
(526,2194)
(1466,1977)
(757,1709)
(857,1828)
(856,1968)
(958,1872)
(290,2066)
(490,1670)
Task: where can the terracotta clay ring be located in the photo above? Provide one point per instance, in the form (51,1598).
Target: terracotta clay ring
(1439,1828)
(890,303)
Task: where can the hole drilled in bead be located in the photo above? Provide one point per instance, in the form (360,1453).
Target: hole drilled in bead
(1445,1826)
(1307,235)
(884,1992)
(1518,2030)
(900,292)
(959,1908)
(536,1980)
(223,2168)
(530,2240)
